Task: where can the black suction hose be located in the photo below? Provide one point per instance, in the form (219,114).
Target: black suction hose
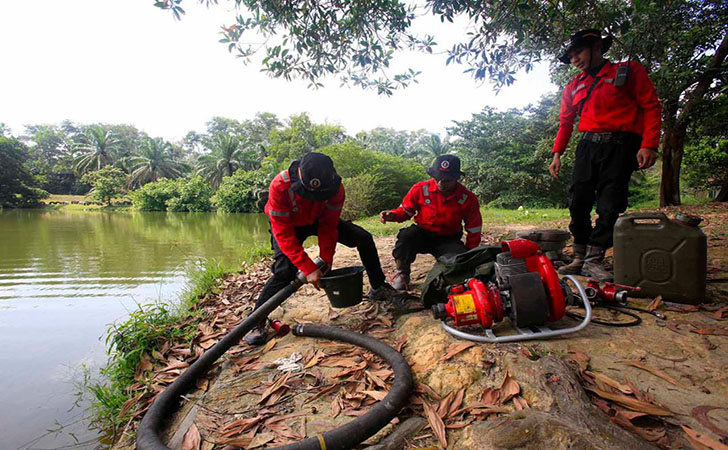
(353,433)
(341,438)
(166,403)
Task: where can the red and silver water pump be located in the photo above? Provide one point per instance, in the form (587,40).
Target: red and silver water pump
(527,290)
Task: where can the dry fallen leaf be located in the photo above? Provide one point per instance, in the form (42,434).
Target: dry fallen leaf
(631,403)
(701,441)
(653,371)
(436,424)
(490,396)
(455,349)
(610,381)
(509,388)
(654,304)
(275,386)
(520,403)
(269,345)
(192,439)
(261,439)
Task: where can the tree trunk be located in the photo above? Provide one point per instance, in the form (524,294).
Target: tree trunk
(722,194)
(672,153)
(676,124)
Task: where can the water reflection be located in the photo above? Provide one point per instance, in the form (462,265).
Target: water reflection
(65,275)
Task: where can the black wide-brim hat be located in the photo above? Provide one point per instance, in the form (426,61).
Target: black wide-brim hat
(445,167)
(318,180)
(583,38)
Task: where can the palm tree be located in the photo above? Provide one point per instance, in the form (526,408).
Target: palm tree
(98,149)
(435,147)
(154,160)
(225,158)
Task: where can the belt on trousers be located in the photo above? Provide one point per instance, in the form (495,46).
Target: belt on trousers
(603,137)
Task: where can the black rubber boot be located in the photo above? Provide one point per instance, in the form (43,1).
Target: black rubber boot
(401,278)
(385,292)
(575,266)
(594,264)
(257,336)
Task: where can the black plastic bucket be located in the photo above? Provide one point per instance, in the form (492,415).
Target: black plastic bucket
(344,287)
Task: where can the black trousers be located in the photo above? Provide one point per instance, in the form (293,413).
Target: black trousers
(284,271)
(414,240)
(601,175)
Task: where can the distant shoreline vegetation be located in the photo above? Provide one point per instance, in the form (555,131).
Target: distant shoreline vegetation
(228,167)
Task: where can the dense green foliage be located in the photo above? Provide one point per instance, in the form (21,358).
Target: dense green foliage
(302,136)
(226,156)
(153,161)
(18,188)
(155,196)
(708,162)
(191,195)
(389,177)
(244,192)
(106,183)
(98,146)
(504,155)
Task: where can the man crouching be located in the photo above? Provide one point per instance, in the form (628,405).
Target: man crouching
(439,207)
(306,200)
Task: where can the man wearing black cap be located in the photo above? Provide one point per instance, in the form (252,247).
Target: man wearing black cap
(439,207)
(620,124)
(306,200)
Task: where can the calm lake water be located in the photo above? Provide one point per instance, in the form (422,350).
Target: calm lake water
(64,276)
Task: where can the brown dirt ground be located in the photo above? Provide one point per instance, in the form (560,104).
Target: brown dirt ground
(677,365)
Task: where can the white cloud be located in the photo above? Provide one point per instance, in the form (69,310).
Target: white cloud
(122,61)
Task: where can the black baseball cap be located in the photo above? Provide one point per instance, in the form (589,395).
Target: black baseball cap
(318,180)
(581,39)
(445,167)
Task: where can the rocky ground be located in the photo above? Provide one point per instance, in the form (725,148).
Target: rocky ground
(660,384)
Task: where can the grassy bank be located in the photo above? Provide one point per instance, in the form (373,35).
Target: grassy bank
(144,332)
(491,216)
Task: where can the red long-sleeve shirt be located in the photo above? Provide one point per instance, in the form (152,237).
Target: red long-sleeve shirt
(633,107)
(444,215)
(287,210)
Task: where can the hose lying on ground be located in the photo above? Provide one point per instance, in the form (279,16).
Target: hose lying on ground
(166,404)
(342,438)
(367,425)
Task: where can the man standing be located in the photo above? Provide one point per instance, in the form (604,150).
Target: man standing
(620,124)
(439,207)
(306,200)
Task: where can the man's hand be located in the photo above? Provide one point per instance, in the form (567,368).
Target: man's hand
(387,216)
(646,157)
(315,278)
(555,166)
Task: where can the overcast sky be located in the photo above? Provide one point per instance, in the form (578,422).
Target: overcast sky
(125,61)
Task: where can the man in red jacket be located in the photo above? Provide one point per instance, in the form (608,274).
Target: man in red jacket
(303,201)
(620,124)
(439,207)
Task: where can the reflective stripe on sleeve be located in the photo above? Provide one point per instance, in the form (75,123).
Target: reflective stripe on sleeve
(409,213)
(285,176)
(293,199)
(334,207)
(473,230)
(280,213)
(578,88)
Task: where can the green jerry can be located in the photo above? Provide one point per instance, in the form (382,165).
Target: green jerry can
(663,256)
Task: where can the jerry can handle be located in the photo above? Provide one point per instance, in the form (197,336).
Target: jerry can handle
(648,216)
